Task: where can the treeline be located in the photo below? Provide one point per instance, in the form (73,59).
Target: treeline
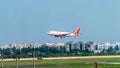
(28,52)
(48,52)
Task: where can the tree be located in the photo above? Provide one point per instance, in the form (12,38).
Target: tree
(116,47)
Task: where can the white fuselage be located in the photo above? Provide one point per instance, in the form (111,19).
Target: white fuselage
(58,33)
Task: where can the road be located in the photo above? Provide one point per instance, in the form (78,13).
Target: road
(54,58)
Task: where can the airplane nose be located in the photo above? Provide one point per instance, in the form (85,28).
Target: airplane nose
(48,32)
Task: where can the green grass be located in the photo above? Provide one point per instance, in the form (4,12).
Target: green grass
(66,61)
(67,67)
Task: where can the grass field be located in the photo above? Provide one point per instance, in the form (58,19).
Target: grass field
(65,63)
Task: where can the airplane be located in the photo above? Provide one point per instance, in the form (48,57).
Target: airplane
(64,34)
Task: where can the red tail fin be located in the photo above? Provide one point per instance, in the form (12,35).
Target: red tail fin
(77,31)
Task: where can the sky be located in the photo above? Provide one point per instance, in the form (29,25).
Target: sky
(30,20)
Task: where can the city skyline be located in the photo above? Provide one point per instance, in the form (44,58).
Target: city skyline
(29,20)
(83,45)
